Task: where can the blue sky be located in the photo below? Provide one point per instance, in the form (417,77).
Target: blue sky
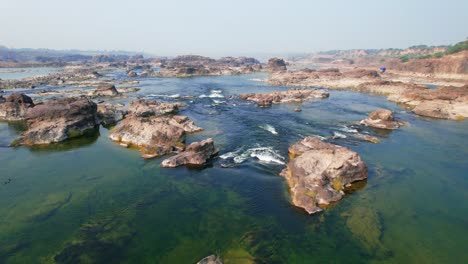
(226,27)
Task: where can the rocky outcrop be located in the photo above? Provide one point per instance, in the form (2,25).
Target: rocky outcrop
(318,172)
(276,65)
(153,128)
(106,90)
(146,108)
(58,120)
(132,74)
(196,154)
(192,65)
(15,106)
(382,119)
(110,114)
(449,64)
(77,77)
(447,102)
(210,260)
(289,96)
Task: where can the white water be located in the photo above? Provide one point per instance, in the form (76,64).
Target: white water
(269,128)
(263,154)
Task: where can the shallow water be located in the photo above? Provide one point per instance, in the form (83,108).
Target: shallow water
(90,200)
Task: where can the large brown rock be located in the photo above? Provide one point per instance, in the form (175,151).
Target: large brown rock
(106,90)
(110,114)
(145,108)
(289,96)
(196,154)
(152,127)
(58,120)
(276,65)
(15,106)
(383,119)
(318,172)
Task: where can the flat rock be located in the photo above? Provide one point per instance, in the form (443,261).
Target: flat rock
(58,120)
(318,172)
(289,96)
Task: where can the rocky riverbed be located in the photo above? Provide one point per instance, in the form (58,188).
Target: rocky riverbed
(446,102)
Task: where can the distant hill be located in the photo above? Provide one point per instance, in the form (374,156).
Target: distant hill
(451,59)
(50,55)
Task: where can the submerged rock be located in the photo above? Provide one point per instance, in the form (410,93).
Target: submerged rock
(210,260)
(15,106)
(58,120)
(289,96)
(196,154)
(383,119)
(368,138)
(318,172)
(153,128)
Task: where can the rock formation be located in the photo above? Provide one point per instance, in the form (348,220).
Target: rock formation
(318,172)
(15,106)
(153,128)
(276,65)
(196,154)
(447,102)
(381,118)
(110,114)
(106,90)
(192,65)
(289,96)
(58,120)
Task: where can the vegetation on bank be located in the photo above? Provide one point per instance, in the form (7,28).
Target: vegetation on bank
(460,46)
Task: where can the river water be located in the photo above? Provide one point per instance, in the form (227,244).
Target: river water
(92,201)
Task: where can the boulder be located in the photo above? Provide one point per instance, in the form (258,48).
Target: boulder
(382,119)
(289,96)
(132,74)
(15,106)
(106,90)
(196,154)
(58,120)
(146,108)
(110,114)
(276,64)
(318,172)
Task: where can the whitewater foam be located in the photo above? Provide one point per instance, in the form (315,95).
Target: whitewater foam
(263,154)
(269,128)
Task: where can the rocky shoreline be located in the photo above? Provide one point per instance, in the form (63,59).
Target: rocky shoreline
(445,102)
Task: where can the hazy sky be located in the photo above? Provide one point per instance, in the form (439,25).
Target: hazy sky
(223,27)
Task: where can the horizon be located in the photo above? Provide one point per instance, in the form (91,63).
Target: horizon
(210,28)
